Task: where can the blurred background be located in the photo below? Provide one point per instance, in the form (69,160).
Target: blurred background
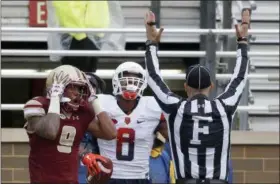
(259,107)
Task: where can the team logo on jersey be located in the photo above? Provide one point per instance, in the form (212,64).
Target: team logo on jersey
(140,121)
(200,106)
(114,121)
(127,120)
(62,116)
(75,117)
(147,176)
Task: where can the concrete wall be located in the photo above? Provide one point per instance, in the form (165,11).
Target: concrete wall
(255,157)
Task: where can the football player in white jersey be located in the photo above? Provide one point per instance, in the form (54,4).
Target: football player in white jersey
(136,118)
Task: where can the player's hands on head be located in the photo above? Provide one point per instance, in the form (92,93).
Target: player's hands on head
(242,29)
(152,33)
(60,81)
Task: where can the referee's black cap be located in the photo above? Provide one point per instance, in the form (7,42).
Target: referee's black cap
(198,77)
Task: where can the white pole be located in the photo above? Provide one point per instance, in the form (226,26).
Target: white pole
(16,107)
(232,54)
(133,30)
(34,74)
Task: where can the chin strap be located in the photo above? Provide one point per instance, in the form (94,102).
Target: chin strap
(129,95)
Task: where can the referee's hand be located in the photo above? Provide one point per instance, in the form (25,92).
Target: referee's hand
(151,31)
(242,29)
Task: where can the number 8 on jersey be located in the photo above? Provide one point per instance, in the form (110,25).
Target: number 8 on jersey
(125,136)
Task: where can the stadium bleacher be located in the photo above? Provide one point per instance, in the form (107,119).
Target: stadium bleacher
(264,91)
(174,14)
(255,154)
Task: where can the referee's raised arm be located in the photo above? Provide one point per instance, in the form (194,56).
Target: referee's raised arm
(233,92)
(166,99)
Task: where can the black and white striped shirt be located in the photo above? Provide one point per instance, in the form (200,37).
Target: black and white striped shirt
(199,128)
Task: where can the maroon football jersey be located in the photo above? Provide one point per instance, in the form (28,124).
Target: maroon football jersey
(56,161)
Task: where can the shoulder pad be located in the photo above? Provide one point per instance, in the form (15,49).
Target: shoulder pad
(151,103)
(35,107)
(105,99)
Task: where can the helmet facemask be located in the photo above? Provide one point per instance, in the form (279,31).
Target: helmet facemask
(77,89)
(129,85)
(78,93)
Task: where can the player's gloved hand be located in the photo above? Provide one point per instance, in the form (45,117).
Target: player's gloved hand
(57,89)
(90,160)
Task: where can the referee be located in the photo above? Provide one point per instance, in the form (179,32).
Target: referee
(199,128)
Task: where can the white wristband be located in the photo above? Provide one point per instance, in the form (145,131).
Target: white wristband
(54,106)
(96,106)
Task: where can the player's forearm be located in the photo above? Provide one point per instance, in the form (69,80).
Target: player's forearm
(48,126)
(164,134)
(106,126)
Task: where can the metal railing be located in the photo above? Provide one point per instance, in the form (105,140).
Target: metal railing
(219,10)
(175,54)
(132,30)
(35,74)
(271,108)
(239,4)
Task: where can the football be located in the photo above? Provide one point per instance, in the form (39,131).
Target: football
(106,168)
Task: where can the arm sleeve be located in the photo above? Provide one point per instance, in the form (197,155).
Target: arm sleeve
(233,92)
(166,99)
(33,108)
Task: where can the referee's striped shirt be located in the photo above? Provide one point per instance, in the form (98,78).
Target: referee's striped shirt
(199,128)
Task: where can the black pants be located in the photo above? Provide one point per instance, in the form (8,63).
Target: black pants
(205,181)
(84,63)
(129,181)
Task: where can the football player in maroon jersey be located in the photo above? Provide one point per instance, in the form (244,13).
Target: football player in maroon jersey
(56,125)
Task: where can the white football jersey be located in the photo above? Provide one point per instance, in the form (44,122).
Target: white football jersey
(130,151)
